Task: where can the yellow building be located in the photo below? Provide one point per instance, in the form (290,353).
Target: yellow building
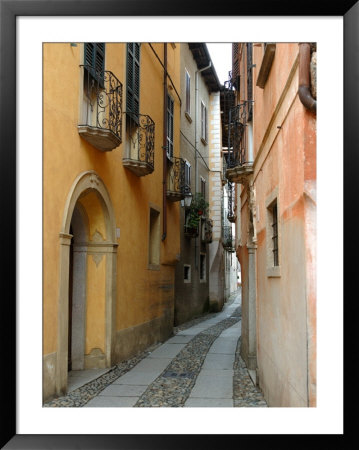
(110,209)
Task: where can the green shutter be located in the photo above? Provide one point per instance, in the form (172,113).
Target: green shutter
(94,59)
(133,78)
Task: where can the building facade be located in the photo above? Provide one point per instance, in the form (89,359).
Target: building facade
(272,161)
(111,206)
(199,137)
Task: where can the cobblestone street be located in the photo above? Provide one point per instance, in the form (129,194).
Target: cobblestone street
(200,366)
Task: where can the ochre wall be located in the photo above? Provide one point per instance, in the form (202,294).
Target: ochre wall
(142,294)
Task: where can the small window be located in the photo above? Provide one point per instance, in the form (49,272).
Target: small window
(186,273)
(203,187)
(154,239)
(202,267)
(188,93)
(203,123)
(187,176)
(170,111)
(273,236)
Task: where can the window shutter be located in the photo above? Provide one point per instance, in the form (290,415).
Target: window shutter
(133,78)
(94,59)
(249,80)
(235,65)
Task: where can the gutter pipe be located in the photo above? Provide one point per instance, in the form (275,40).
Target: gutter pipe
(304,78)
(164,147)
(196,142)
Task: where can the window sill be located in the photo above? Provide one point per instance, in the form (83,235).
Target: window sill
(203,281)
(273,272)
(188,117)
(153,267)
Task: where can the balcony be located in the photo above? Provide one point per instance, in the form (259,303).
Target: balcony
(228,239)
(238,166)
(231,203)
(140,144)
(101,121)
(176,188)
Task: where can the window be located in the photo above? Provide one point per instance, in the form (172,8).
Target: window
(93,83)
(170,110)
(203,123)
(203,187)
(188,93)
(186,273)
(154,239)
(187,176)
(202,267)
(133,78)
(273,235)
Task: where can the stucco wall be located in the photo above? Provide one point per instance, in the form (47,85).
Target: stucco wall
(284,138)
(192,299)
(142,295)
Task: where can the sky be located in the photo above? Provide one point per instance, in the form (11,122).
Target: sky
(221,55)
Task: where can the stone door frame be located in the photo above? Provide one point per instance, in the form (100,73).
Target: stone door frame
(88,181)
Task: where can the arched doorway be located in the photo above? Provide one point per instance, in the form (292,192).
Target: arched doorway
(86,327)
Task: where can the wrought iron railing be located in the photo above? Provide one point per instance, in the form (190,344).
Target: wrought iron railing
(237,136)
(102,106)
(228,238)
(176,185)
(230,212)
(140,130)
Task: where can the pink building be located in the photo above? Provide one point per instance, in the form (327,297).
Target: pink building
(272,161)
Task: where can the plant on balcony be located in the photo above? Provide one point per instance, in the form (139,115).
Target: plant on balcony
(198,209)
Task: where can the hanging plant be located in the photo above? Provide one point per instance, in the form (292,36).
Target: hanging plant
(198,209)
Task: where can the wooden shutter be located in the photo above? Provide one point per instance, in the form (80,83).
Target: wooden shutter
(235,65)
(133,78)
(94,59)
(249,80)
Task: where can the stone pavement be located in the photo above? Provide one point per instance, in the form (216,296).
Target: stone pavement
(199,366)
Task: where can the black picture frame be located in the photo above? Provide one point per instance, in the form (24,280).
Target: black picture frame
(9,10)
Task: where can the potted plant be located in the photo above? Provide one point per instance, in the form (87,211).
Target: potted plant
(198,209)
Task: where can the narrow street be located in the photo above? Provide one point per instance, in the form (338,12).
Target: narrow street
(199,366)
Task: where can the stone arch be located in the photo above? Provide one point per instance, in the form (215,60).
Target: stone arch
(88,197)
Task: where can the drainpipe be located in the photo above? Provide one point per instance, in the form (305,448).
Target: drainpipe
(304,78)
(195,121)
(196,143)
(164,147)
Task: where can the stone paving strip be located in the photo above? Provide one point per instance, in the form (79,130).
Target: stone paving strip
(80,396)
(245,393)
(174,385)
(165,375)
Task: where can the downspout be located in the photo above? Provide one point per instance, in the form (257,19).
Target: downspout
(195,122)
(196,142)
(164,147)
(304,78)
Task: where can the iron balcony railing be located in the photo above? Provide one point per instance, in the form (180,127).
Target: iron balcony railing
(176,185)
(228,238)
(102,106)
(230,212)
(237,136)
(140,130)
